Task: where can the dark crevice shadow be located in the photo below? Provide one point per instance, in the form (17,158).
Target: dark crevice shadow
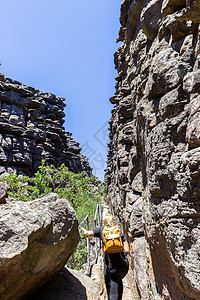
(64,286)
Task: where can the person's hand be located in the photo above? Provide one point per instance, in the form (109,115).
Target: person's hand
(84,231)
(87,233)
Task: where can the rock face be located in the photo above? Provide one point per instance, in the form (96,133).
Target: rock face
(3,192)
(31,129)
(154,151)
(36,240)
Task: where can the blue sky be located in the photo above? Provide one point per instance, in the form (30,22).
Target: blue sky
(66,47)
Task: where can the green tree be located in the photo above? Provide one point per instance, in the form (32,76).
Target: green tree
(83,192)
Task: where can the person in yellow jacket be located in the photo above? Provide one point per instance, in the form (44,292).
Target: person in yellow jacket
(116,265)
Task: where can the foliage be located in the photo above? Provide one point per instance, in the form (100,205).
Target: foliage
(81,191)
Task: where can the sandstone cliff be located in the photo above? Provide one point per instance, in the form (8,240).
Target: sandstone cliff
(31,129)
(154,151)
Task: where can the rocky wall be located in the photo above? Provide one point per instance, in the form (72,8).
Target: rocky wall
(153,162)
(31,129)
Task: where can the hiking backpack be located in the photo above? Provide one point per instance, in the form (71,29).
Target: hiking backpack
(112,240)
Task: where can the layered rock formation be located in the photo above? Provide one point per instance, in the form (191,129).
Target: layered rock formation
(31,129)
(154,151)
(36,240)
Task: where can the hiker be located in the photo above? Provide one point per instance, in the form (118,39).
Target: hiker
(115,264)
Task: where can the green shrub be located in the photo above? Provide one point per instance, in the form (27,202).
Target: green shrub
(83,192)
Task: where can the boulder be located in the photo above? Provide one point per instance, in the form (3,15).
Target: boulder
(191,12)
(69,284)
(36,240)
(98,278)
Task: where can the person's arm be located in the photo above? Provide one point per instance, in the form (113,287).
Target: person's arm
(126,247)
(125,243)
(89,233)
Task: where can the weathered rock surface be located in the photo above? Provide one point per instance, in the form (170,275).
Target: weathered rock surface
(3,192)
(153,170)
(31,129)
(69,284)
(97,276)
(36,240)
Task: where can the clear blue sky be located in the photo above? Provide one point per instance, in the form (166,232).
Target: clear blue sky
(66,47)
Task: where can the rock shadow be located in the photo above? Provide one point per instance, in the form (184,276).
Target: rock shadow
(62,287)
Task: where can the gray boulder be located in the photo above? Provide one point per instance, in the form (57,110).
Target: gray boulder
(36,240)
(69,284)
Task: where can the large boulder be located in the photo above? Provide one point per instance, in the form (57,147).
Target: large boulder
(36,240)
(69,284)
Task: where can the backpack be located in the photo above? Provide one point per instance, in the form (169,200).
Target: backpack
(112,240)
